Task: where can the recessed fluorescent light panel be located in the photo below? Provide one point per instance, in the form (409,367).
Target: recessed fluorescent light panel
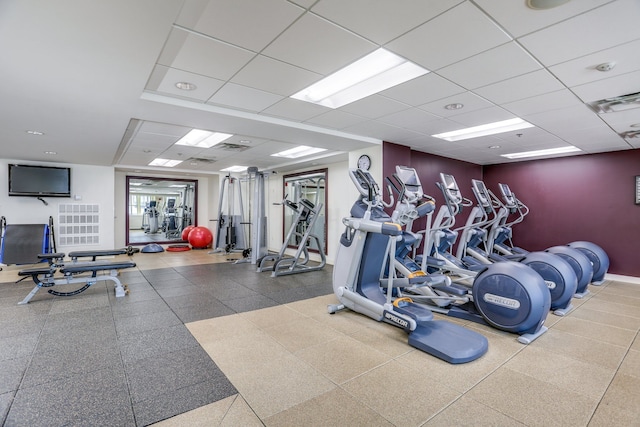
(375,72)
(484,130)
(202,138)
(300,151)
(537,153)
(234,169)
(165,162)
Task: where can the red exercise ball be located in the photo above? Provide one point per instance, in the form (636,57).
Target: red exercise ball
(200,237)
(186,231)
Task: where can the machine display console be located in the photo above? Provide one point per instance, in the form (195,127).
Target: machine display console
(508,196)
(481,191)
(451,188)
(364,182)
(410,178)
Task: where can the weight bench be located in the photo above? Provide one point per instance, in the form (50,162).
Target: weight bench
(44,277)
(94,254)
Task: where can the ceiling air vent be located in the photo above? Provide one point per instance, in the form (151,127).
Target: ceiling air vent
(231,147)
(619,103)
(630,134)
(201,160)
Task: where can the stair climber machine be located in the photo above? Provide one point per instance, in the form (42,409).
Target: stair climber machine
(473,249)
(368,245)
(589,261)
(509,296)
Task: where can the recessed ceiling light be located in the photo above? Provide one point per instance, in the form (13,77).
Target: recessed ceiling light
(35,132)
(606,66)
(51,153)
(165,162)
(484,130)
(234,169)
(493,147)
(202,138)
(545,4)
(186,86)
(537,153)
(454,106)
(375,72)
(300,151)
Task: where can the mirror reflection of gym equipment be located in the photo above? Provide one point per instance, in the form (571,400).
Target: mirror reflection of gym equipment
(158,209)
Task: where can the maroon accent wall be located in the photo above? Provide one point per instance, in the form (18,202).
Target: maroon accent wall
(588,197)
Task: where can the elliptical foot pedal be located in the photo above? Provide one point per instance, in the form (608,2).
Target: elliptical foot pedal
(448,341)
(581,295)
(563,311)
(529,338)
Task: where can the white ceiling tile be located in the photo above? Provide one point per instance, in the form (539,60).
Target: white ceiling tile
(201,55)
(609,88)
(609,25)
(336,119)
(565,120)
(274,76)
(458,26)
(156,128)
(542,103)
(518,19)
(413,119)
(422,90)
(469,100)
(247,23)
(296,110)
(500,63)
(205,86)
(384,19)
(244,98)
(301,45)
(583,70)
(622,121)
(374,106)
(525,86)
(481,117)
(381,130)
(594,136)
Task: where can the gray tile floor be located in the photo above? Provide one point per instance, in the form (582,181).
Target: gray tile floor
(92,359)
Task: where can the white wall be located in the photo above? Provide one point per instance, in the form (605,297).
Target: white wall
(89,185)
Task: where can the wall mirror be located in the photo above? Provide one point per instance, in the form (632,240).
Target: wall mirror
(158,209)
(308,189)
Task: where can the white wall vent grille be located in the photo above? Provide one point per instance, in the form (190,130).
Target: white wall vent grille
(78,224)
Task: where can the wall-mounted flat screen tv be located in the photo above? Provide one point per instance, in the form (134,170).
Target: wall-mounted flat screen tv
(39,181)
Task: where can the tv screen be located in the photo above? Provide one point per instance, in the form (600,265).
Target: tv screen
(39,181)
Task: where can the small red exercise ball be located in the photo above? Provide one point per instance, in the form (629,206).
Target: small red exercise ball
(186,231)
(200,237)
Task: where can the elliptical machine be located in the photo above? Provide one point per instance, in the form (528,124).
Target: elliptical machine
(557,273)
(509,296)
(588,260)
(368,245)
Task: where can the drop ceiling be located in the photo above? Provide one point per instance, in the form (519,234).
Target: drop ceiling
(99,78)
